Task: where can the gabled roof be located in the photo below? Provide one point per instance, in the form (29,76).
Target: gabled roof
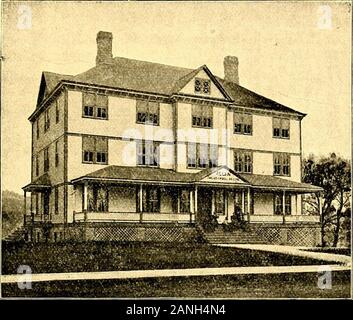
(245,97)
(156,78)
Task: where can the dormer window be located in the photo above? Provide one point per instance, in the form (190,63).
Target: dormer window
(202,86)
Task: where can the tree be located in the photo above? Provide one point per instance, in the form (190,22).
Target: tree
(333,174)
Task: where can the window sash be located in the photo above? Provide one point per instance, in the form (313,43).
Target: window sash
(243,161)
(56,200)
(242,123)
(281,128)
(95,105)
(147,112)
(219,202)
(201,155)
(95,149)
(202,116)
(46,160)
(278,205)
(281,164)
(56,154)
(147,153)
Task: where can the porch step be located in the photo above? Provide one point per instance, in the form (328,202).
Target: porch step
(219,236)
(16,235)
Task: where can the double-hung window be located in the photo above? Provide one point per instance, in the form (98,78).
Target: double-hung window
(95,105)
(148,153)
(56,153)
(97,198)
(151,199)
(202,116)
(219,202)
(243,161)
(200,155)
(184,200)
(279,205)
(147,112)
(281,128)
(243,123)
(46,159)
(281,164)
(95,149)
(46,120)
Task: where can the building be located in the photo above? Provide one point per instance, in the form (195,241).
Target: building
(138,150)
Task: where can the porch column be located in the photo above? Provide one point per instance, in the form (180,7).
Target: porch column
(213,203)
(178,201)
(249,205)
(243,201)
(195,201)
(191,205)
(141,202)
(85,200)
(226,203)
(24,206)
(284,206)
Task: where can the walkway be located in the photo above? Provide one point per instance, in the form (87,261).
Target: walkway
(295,251)
(135,274)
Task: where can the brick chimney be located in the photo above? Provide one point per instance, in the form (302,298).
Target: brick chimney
(104,47)
(231,64)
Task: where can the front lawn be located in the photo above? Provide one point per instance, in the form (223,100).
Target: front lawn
(301,285)
(344,251)
(107,256)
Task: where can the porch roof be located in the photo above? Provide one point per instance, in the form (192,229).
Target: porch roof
(40,184)
(121,174)
(267,182)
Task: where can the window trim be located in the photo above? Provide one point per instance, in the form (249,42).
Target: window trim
(243,153)
(156,144)
(95,106)
(203,111)
(203,81)
(282,156)
(243,123)
(197,159)
(94,152)
(46,120)
(278,195)
(46,159)
(148,113)
(281,127)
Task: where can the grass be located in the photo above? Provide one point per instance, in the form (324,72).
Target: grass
(99,256)
(301,285)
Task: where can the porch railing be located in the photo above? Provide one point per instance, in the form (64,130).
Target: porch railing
(133,217)
(286,219)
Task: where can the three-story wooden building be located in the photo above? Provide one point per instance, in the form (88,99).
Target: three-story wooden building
(134,150)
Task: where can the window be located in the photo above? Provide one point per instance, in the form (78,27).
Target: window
(242,123)
(243,161)
(278,204)
(147,112)
(151,199)
(95,105)
(147,153)
(202,86)
(202,116)
(97,199)
(56,200)
(37,165)
(46,159)
(219,202)
(57,114)
(281,128)
(281,164)
(37,203)
(95,149)
(201,155)
(37,127)
(184,200)
(46,120)
(56,153)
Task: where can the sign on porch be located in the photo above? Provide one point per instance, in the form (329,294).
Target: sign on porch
(222,175)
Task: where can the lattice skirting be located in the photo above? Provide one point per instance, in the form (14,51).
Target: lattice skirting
(143,233)
(301,235)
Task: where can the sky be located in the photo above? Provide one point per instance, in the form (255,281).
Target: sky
(297,53)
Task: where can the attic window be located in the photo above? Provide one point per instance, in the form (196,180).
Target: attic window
(202,86)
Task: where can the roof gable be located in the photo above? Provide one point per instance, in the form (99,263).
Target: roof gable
(186,85)
(221,175)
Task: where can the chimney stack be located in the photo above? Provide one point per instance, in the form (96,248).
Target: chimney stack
(231,73)
(104,47)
